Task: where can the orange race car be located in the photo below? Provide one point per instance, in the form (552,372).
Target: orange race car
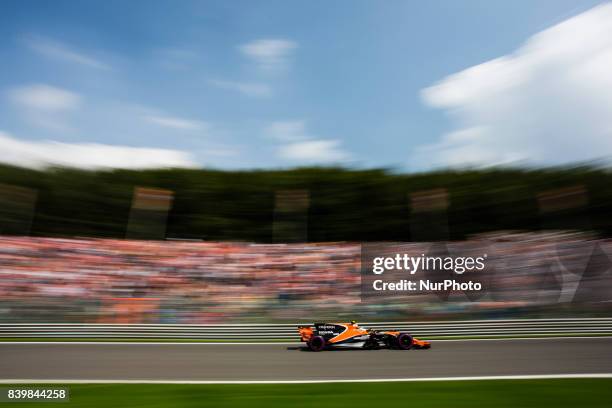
(324,335)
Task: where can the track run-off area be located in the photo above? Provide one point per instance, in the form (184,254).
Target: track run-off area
(290,362)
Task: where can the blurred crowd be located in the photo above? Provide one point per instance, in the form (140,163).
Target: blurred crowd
(123,281)
(131,281)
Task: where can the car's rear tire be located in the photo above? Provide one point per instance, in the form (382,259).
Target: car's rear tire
(316,343)
(404,341)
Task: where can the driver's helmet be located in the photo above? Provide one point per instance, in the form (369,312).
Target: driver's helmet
(354,323)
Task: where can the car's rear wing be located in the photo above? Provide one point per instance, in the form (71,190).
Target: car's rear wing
(306,332)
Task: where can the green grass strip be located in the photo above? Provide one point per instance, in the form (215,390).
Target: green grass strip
(575,393)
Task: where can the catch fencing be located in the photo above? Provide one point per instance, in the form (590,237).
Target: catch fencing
(288,332)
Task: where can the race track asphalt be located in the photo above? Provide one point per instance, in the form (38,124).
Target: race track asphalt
(232,362)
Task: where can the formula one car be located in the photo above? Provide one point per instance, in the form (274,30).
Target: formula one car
(324,335)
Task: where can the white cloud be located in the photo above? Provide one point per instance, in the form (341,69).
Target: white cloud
(298,146)
(40,154)
(549,102)
(59,51)
(270,54)
(313,151)
(44,98)
(246,88)
(45,106)
(287,131)
(177,123)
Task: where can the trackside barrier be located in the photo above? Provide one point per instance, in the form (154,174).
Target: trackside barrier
(263,331)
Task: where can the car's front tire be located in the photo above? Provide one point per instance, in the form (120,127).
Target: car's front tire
(404,341)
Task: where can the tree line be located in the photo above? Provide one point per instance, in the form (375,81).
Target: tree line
(322,204)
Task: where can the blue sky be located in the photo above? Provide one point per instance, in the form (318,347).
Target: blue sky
(245,84)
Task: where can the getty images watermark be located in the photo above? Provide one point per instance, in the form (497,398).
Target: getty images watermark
(399,269)
(412,264)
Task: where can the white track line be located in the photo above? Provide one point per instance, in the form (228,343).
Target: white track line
(279,343)
(364,380)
